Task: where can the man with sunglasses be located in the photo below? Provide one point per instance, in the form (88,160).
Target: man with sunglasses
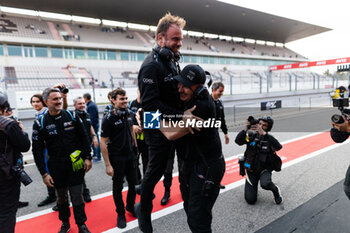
(63,134)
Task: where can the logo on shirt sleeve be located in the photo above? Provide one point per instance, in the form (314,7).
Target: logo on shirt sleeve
(151,120)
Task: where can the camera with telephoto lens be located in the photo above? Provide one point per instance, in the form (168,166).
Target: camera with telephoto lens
(252,133)
(21,174)
(252,121)
(341,103)
(64,90)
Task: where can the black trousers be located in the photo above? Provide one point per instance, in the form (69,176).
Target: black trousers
(198,194)
(9,197)
(168,174)
(251,185)
(143,149)
(124,168)
(51,192)
(76,196)
(158,152)
(66,180)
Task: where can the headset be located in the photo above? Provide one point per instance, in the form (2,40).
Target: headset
(122,113)
(167,54)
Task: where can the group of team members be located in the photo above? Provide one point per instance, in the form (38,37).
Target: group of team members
(182,96)
(62,139)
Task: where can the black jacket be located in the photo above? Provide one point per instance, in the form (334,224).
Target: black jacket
(206,142)
(157,87)
(61,135)
(16,139)
(220,115)
(257,157)
(85,117)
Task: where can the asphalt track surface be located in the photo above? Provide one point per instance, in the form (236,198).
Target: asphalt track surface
(313,168)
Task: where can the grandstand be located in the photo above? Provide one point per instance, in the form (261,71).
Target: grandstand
(37,51)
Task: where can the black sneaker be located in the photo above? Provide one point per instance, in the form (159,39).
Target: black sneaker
(55,208)
(65,227)
(145,223)
(166,198)
(22,204)
(121,221)
(131,210)
(47,201)
(278,196)
(83,229)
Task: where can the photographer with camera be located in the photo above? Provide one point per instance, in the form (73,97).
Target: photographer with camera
(63,134)
(13,141)
(118,146)
(201,163)
(340,132)
(259,158)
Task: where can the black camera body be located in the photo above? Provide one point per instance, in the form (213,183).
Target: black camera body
(252,121)
(341,103)
(21,175)
(64,90)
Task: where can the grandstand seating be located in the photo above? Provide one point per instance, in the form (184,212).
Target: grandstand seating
(36,27)
(25,27)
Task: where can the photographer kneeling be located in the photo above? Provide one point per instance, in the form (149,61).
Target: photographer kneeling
(259,158)
(339,133)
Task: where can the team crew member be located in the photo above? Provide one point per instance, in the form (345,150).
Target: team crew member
(39,106)
(259,158)
(140,139)
(117,146)
(217,91)
(200,154)
(62,133)
(80,106)
(17,141)
(158,92)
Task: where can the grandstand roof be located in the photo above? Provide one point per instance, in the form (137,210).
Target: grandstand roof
(208,16)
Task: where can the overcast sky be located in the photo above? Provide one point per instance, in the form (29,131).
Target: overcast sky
(333,14)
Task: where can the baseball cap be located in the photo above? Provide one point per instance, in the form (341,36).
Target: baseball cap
(191,75)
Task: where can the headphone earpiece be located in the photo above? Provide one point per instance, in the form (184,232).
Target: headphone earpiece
(167,54)
(200,92)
